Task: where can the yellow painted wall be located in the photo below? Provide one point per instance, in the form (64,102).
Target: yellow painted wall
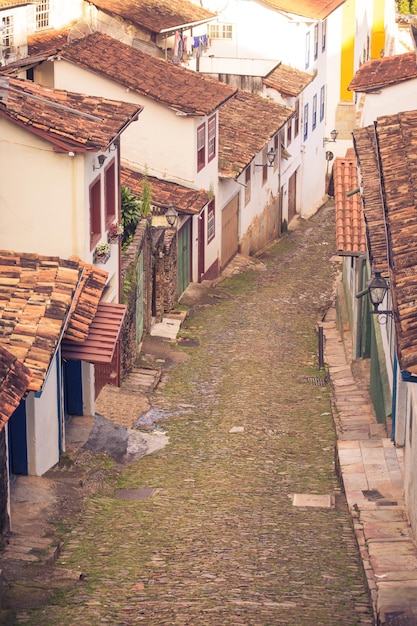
(378,30)
(348,49)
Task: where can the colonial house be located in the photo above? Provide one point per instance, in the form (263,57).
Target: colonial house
(250,155)
(384,87)
(386,157)
(178,139)
(50,310)
(66,145)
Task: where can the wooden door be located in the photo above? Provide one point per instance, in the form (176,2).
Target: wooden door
(230,230)
(184,257)
(292,197)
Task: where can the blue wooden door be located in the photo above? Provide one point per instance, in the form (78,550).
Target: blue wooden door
(18,449)
(73,395)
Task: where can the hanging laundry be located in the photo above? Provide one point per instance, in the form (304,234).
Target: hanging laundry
(177,38)
(180,50)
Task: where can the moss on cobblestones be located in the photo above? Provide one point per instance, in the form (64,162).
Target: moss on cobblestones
(220,542)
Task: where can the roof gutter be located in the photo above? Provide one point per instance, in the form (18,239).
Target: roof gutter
(172,29)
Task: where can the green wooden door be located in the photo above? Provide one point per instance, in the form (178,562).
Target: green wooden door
(184,257)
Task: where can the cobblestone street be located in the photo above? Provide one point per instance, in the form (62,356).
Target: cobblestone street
(217,538)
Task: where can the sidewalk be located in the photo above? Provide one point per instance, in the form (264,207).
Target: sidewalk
(371,468)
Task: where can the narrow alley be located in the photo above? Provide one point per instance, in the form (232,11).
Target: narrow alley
(241,520)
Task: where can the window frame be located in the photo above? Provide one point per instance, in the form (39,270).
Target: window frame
(307,50)
(221,30)
(323,35)
(305,123)
(95,212)
(322,101)
(110,203)
(296,118)
(7,34)
(211,138)
(201,146)
(316,41)
(248,184)
(211,221)
(314,113)
(42,14)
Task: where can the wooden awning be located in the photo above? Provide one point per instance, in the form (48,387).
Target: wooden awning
(102,337)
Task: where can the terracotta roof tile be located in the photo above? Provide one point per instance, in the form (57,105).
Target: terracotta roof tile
(366,152)
(316,9)
(156,15)
(70,121)
(350,224)
(288,80)
(6,4)
(36,293)
(158,79)
(42,299)
(246,123)
(47,42)
(14,382)
(397,150)
(384,72)
(164,193)
(86,302)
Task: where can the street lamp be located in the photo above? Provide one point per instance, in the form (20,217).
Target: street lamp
(333,136)
(171,216)
(377,288)
(270,157)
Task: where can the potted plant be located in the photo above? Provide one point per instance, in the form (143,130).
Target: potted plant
(101,253)
(114,233)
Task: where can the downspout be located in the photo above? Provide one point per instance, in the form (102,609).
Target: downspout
(394,398)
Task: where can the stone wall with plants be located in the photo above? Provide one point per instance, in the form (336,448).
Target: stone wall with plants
(141,243)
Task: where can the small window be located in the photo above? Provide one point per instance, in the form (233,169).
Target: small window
(42,14)
(316,41)
(322,102)
(296,118)
(95,213)
(7,32)
(314,112)
(305,133)
(201,147)
(211,231)
(323,35)
(248,181)
(221,31)
(289,132)
(212,138)
(110,193)
(307,59)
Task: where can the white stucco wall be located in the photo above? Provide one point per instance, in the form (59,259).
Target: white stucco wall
(389,101)
(43,425)
(410,455)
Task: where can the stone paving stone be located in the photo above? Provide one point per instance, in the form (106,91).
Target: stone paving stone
(220,542)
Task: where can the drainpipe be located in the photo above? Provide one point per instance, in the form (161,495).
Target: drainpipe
(394,398)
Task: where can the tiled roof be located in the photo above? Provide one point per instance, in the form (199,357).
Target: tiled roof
(288,80)
(384,72)
(6,4)
(366,152)
(316,9)
(46,42)
(70,121)
(397,154)
(43,298)
(86,301)
(156,15)
(36,293)
(179,88)
(350,224)
(164,193)
(246,123)
(14,381)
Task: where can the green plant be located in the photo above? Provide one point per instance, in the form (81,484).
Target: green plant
(102,249)
(131,213)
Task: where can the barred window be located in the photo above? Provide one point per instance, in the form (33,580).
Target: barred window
(42,14)
(221,31)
